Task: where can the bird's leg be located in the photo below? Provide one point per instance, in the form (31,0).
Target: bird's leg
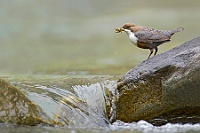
(156,50)
(150,53)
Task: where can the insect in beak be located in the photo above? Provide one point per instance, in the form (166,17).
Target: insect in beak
(119,30)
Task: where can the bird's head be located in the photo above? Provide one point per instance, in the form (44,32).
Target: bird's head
(126,27)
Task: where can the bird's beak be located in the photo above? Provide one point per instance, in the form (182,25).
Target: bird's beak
(119,30)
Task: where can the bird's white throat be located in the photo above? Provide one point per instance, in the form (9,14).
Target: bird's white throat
(131,36)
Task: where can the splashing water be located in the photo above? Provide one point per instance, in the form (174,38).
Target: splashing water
(80,106)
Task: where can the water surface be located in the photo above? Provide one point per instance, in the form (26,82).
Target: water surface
(77,37)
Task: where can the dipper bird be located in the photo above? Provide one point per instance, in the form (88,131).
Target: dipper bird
(146,37)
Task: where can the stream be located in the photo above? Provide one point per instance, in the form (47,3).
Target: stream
(79,104)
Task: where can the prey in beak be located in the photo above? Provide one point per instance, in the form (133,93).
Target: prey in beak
(119,30)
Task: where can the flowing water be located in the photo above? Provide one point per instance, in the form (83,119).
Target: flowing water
(118,127)
(65,57)
(80,108)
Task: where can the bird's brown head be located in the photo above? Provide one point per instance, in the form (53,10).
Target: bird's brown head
(128,25)
(124,27)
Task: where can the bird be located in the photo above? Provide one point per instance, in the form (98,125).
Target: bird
(147,37)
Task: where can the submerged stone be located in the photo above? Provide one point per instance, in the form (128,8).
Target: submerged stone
(17,108)
(164,88)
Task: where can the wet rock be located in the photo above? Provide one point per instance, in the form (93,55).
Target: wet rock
(165,88)
(16,108)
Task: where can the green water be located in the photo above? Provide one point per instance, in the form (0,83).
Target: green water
(68,38)
(77,37)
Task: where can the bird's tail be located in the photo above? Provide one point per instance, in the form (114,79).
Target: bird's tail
(172,32)
(177,30)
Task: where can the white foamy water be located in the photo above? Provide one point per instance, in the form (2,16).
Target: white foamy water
(145,127)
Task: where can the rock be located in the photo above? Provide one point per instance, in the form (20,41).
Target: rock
(16,108)
(164,88)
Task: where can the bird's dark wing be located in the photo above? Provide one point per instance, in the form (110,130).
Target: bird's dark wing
(151,36)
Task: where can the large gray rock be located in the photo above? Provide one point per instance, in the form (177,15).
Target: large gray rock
(164,88)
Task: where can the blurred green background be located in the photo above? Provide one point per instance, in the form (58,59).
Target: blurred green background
(77,36)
